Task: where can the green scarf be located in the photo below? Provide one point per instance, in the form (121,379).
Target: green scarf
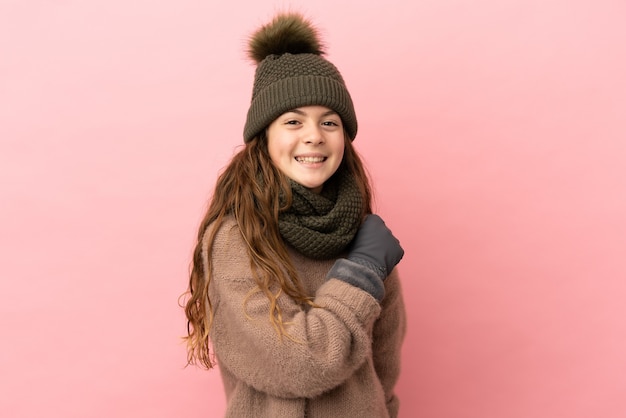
(321,226)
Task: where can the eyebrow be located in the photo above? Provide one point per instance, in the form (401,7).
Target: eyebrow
(300,112)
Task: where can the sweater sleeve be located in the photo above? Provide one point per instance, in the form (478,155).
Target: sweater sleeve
(326,344)
(389,332)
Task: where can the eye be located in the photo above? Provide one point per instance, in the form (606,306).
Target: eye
(330,123)
(292,122)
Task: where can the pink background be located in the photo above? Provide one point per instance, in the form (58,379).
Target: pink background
(496,136)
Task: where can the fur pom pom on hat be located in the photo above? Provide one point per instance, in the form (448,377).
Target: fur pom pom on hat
(292,72)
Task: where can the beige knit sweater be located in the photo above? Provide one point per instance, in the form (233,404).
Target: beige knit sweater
(347,358)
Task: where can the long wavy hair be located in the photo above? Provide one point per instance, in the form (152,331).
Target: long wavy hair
(248,189)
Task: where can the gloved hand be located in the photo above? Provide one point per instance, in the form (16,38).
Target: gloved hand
(375,247)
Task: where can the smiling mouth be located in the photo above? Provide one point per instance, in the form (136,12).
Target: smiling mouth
(310,160)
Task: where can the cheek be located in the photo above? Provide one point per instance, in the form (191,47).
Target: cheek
(274,150)
(341,150)
(279,155)
(272,153)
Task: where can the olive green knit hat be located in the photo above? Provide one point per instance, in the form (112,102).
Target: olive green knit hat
(292,72)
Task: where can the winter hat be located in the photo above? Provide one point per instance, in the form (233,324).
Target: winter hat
(292,72)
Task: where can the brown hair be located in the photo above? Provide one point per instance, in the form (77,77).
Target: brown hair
(249,189)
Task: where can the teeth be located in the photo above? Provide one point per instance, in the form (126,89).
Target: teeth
(310,159)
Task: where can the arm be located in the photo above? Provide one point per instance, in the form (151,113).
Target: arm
(389,332)
(329,343)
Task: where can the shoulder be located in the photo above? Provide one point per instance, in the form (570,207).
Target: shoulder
(393,290)
(222,236)
(224,245)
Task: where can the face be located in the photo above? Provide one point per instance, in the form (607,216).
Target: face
(307,145)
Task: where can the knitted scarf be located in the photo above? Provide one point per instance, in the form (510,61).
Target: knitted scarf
(321,226)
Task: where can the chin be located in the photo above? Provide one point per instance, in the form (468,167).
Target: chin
(312,186)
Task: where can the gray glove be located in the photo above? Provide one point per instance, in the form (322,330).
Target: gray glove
(373,254)
(375,247)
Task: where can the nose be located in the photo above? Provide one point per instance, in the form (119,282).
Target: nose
(314,135)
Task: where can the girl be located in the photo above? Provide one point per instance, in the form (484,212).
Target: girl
(293,278)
